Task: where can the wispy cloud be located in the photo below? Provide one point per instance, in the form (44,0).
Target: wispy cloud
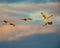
(15,13)
(10,33)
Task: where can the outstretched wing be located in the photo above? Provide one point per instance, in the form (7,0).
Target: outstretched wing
(12,24)
(50,16)
(29,19)
(6,22)
(45,24)
(43,14)
(24,19)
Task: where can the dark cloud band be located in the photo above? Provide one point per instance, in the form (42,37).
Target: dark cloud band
(28,1)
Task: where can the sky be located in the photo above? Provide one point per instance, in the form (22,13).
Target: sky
(29,34)
(29,1)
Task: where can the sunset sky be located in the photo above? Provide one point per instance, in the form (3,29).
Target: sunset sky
(29,34)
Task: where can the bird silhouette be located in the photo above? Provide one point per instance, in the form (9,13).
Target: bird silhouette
(8,23)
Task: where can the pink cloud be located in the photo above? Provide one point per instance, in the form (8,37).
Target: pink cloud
(11,33)
(37,6)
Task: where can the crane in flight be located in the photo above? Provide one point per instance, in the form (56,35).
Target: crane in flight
(47,18)
(26,19)
(48,23)
(8,23)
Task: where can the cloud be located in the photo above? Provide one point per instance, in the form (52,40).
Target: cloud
(22,29)
(29,1)
(28,8)
(10,33)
